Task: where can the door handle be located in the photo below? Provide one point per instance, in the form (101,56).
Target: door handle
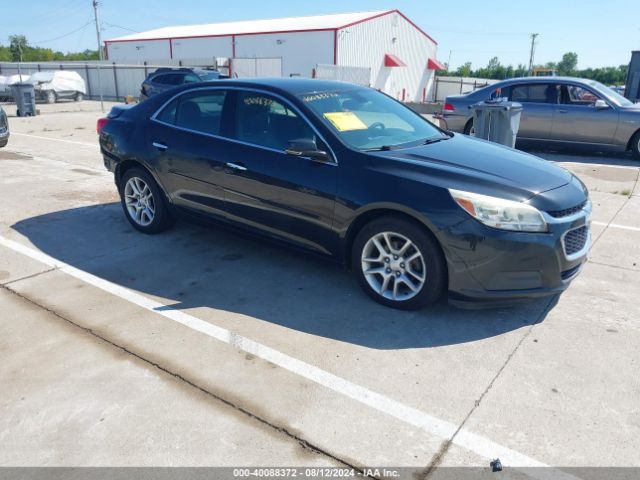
(160,146)
(236,166)
(563,111)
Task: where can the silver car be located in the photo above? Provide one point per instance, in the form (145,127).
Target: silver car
(558,111)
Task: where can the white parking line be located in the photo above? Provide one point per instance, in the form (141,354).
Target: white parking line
(430,424)
(589,164)
(615,225)
(85,144)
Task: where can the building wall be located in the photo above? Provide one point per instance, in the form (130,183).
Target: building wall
(300,51)
(365,44)
(208,47)
(139,51)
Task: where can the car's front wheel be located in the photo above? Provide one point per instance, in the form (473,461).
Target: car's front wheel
(143,202)
(399,264)
(635,145)
(50,97)
(79,97)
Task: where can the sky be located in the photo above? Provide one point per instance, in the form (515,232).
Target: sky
(601,33)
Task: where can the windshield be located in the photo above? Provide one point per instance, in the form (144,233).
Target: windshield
(367,119)
(611,95)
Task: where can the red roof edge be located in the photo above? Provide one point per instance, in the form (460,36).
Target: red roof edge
(434,64)
(391,60)
(387,13)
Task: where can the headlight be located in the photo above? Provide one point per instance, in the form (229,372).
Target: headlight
(500,213)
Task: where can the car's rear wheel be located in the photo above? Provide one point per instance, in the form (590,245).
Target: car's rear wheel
(635,145)
(399,264)
(469,129)
(143,202)
(79,97)
(50,97)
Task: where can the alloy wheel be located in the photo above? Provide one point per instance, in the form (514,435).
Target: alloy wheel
(139,201)
(393,266)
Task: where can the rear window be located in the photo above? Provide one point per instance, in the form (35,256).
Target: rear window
(169,79)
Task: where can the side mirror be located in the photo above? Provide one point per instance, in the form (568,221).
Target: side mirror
(306,147)
(600,104)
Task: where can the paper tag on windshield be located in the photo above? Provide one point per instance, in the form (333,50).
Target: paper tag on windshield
(345,121)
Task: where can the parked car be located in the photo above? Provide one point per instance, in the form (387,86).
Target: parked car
(4,128)
(163,79)
(51,86)
(559,111)
(348,172)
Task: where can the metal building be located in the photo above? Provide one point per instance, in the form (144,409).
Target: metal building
(383,49)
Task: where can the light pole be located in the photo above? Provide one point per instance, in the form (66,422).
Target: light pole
(533,50)
(97,20)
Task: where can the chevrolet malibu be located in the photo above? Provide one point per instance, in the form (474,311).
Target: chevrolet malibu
(558,111)
(349,173)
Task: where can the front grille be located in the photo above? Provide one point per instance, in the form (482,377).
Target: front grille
(575,240)
(567,211)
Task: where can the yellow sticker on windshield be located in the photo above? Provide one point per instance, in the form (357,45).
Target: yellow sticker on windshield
(345,121)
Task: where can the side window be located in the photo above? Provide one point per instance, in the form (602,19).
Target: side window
(501,92)
(577,95)
(191,78)
(200,112)
(535,93)
(265,121)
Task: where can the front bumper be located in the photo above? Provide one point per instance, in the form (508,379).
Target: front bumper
(498,266)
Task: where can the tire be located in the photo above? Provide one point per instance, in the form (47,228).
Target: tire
(426,273)
(79,97)
(469,130)
(50,97)
(3,143)
(635,145)
(143,202)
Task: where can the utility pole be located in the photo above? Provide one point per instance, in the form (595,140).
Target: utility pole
(97,20)
(533,51)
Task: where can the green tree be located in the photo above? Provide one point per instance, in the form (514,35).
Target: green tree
(568,65)
(17,46)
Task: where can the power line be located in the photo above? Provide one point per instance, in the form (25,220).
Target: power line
(62,36)
(120,27)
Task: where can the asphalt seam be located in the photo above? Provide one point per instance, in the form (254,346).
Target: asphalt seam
(628,269)
(305,444)
(439,456)
(27,277)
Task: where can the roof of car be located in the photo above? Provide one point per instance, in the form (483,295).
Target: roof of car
(546,78)
(293,86)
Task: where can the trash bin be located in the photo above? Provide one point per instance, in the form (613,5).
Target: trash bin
(497,120)
(25,99)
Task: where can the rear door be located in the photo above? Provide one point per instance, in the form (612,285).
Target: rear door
(538,102)
(189,151)
(267,189)
(577,119)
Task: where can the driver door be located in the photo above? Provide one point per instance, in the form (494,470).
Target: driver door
(576,118)
(283,195)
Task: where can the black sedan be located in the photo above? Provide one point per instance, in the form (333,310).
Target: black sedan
(4,128)
(348,172)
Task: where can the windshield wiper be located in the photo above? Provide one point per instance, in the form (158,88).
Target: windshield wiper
(383,148)
(429,141)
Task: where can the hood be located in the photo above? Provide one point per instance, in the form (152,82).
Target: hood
(477,166)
